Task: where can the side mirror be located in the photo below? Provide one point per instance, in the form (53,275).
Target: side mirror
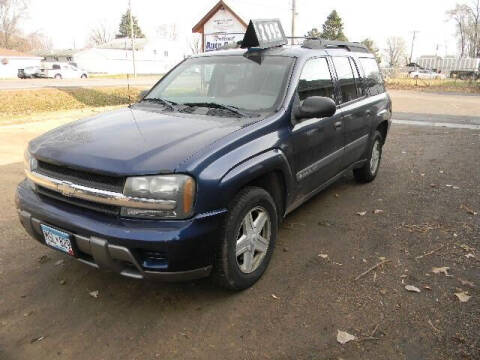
(315,107)
(142,94)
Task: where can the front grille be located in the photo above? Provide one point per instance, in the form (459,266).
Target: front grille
(57,197)
(96,181)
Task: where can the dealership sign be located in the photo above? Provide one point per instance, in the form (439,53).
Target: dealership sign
(222,29)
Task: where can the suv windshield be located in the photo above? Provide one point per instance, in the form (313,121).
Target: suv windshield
(255,84)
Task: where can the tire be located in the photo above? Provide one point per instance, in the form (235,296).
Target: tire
(369,171)
(240,272)
(58,76)
(84,76)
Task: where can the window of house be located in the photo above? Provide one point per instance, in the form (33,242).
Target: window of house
(346,78)
(316,80)
(165,53)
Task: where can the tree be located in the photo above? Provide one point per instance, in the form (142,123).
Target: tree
(333,27)
(314,33)
(124,30)
(11,12)
(372,48)
(100,34)
(195,44)
(460,16)
(467,21)
(396,51)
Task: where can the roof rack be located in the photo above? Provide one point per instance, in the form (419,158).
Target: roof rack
(319,43)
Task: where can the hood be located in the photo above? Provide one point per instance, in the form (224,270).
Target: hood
(131,141)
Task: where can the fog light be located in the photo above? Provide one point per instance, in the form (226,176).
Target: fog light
(147,213)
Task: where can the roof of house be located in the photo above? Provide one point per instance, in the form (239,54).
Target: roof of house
(14,53)
(219,6)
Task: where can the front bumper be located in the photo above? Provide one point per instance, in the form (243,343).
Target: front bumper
(184,249)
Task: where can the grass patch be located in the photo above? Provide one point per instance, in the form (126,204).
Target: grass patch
(18,103)
(446,85)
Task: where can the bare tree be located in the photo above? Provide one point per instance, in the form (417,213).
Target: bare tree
(100,34)
(195,44)
(11,12)
(474,11)
(467,20)
(460,16)
(396,51)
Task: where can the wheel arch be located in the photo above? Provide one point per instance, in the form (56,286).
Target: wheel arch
(269,170)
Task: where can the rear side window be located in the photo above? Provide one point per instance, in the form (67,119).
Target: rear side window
(373,78)
(316,80)
(346,78)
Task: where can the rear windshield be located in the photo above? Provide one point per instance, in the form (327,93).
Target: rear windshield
(252,84)
(373,81)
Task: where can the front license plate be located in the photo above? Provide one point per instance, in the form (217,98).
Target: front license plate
(58,239)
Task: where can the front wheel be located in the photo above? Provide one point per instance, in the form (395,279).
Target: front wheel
(247,240)
(84,76)
(369,170)
(58,76)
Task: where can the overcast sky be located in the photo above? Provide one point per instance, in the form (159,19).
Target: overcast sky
(67,22)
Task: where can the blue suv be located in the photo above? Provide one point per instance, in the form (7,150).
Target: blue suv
(194,179)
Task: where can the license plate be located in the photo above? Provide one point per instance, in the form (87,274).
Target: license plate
(57,239)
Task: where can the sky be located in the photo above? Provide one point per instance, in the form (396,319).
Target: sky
(68,22)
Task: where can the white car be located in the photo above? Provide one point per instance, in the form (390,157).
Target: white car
(426,74)
(63,71)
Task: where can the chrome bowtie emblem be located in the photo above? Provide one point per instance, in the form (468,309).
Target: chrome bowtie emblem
(66,189)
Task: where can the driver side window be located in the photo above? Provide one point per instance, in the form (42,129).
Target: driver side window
(316,80)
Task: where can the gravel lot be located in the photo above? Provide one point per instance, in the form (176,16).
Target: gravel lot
(428,190)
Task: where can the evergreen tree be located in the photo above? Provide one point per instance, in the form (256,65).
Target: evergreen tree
(124,30)
(372,48)
(333,27)
(314,33)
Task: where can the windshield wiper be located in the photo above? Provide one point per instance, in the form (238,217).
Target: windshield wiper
(167,103)
(232,109)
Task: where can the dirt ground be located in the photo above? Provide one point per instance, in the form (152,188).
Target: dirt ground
(428,190)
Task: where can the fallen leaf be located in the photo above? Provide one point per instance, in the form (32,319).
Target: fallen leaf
(433,185)
(62,282)
(43,259)
(466,282)
(377,211)
(362,213)
(382,258)
(275,296)
(59,262)
(344,337)
(28,313)
(469,255)
(383,291)
(455,187)
(441,270)
(412,288)
(426,287)
(40,338)
(94,294)
(448,185)
(323,256)
(463,296)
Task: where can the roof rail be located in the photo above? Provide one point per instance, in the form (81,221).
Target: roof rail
(319,43)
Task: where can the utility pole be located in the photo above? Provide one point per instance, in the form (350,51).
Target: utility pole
(413,42)
(294,12)
(132,36)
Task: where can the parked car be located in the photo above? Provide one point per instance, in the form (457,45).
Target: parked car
(63,71)
(194,179)
(28,72)
(426,74)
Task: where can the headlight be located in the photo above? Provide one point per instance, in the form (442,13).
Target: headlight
(176,191)
(29,162)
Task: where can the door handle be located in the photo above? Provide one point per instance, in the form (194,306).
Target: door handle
(338,125)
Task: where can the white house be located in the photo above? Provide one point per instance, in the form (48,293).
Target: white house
(152,56)
(12,60)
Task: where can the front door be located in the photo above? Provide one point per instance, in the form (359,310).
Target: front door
(317,143)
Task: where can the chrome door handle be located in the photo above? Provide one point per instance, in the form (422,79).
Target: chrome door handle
(338,125)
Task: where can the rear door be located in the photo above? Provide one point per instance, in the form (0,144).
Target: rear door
(317,143)
(354,106)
